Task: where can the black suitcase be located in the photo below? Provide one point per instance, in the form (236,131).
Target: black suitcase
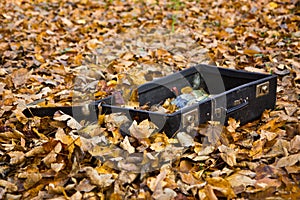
(232,93)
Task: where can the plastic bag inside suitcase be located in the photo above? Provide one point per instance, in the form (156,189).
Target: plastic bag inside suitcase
(238,94)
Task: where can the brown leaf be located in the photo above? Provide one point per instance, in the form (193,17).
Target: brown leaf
(32,179)
(189,179)
(288,160)
(39,150)
(16,157)
(57,166)
(50,158)
(293,169)
(20,76)
(267,183)
(232,125)
(268,135)
(115,120)
(77,195)
(251,52)
(71,122)
(101,180)
(143,129)
(228,155)
(257,149)
(167,193)
(156,184)
(221,185)
(10,187)
(239,182)
(280,148)
(185,166)
(85,186)
(295,144)
(208,192)
(212,131)
(127,177)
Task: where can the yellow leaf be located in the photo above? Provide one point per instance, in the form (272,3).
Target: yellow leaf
(100,94)
(42,136)
(232,125)
(272,5)
(81,21)
(65,139)
(112,83)
(39,57)
(222,186)
(250,52)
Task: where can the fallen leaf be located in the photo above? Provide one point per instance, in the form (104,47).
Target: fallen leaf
(221,185)
(272,5)
(239,182)
(295,144)
(57,166)
(228,155)
(268,135)
(157,184)
(125,144)
(188,178)
(293,169)
(101,180)
(32,179)
(10,187)
(143,129)
(77,195)
(115,120)
(280,148)
(20,76)
(232,125)
(185,139)
(267,183)
(85,186)
(16,157)
(39,150)
(288,160)
(71,122)
(127,177)
(167,193)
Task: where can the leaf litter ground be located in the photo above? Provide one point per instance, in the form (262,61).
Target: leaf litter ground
(75,51)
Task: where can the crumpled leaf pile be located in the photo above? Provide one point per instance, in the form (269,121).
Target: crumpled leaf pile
(69,52)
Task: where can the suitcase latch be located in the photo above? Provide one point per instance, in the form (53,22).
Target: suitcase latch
(219,112)
(262,89)
(190,117)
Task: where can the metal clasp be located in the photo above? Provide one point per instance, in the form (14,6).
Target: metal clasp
(218,111)
(190,117)
(262,89)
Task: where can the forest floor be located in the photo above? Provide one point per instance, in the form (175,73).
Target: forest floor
(69,52)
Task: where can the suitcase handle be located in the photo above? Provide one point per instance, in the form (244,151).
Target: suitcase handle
(241,105)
